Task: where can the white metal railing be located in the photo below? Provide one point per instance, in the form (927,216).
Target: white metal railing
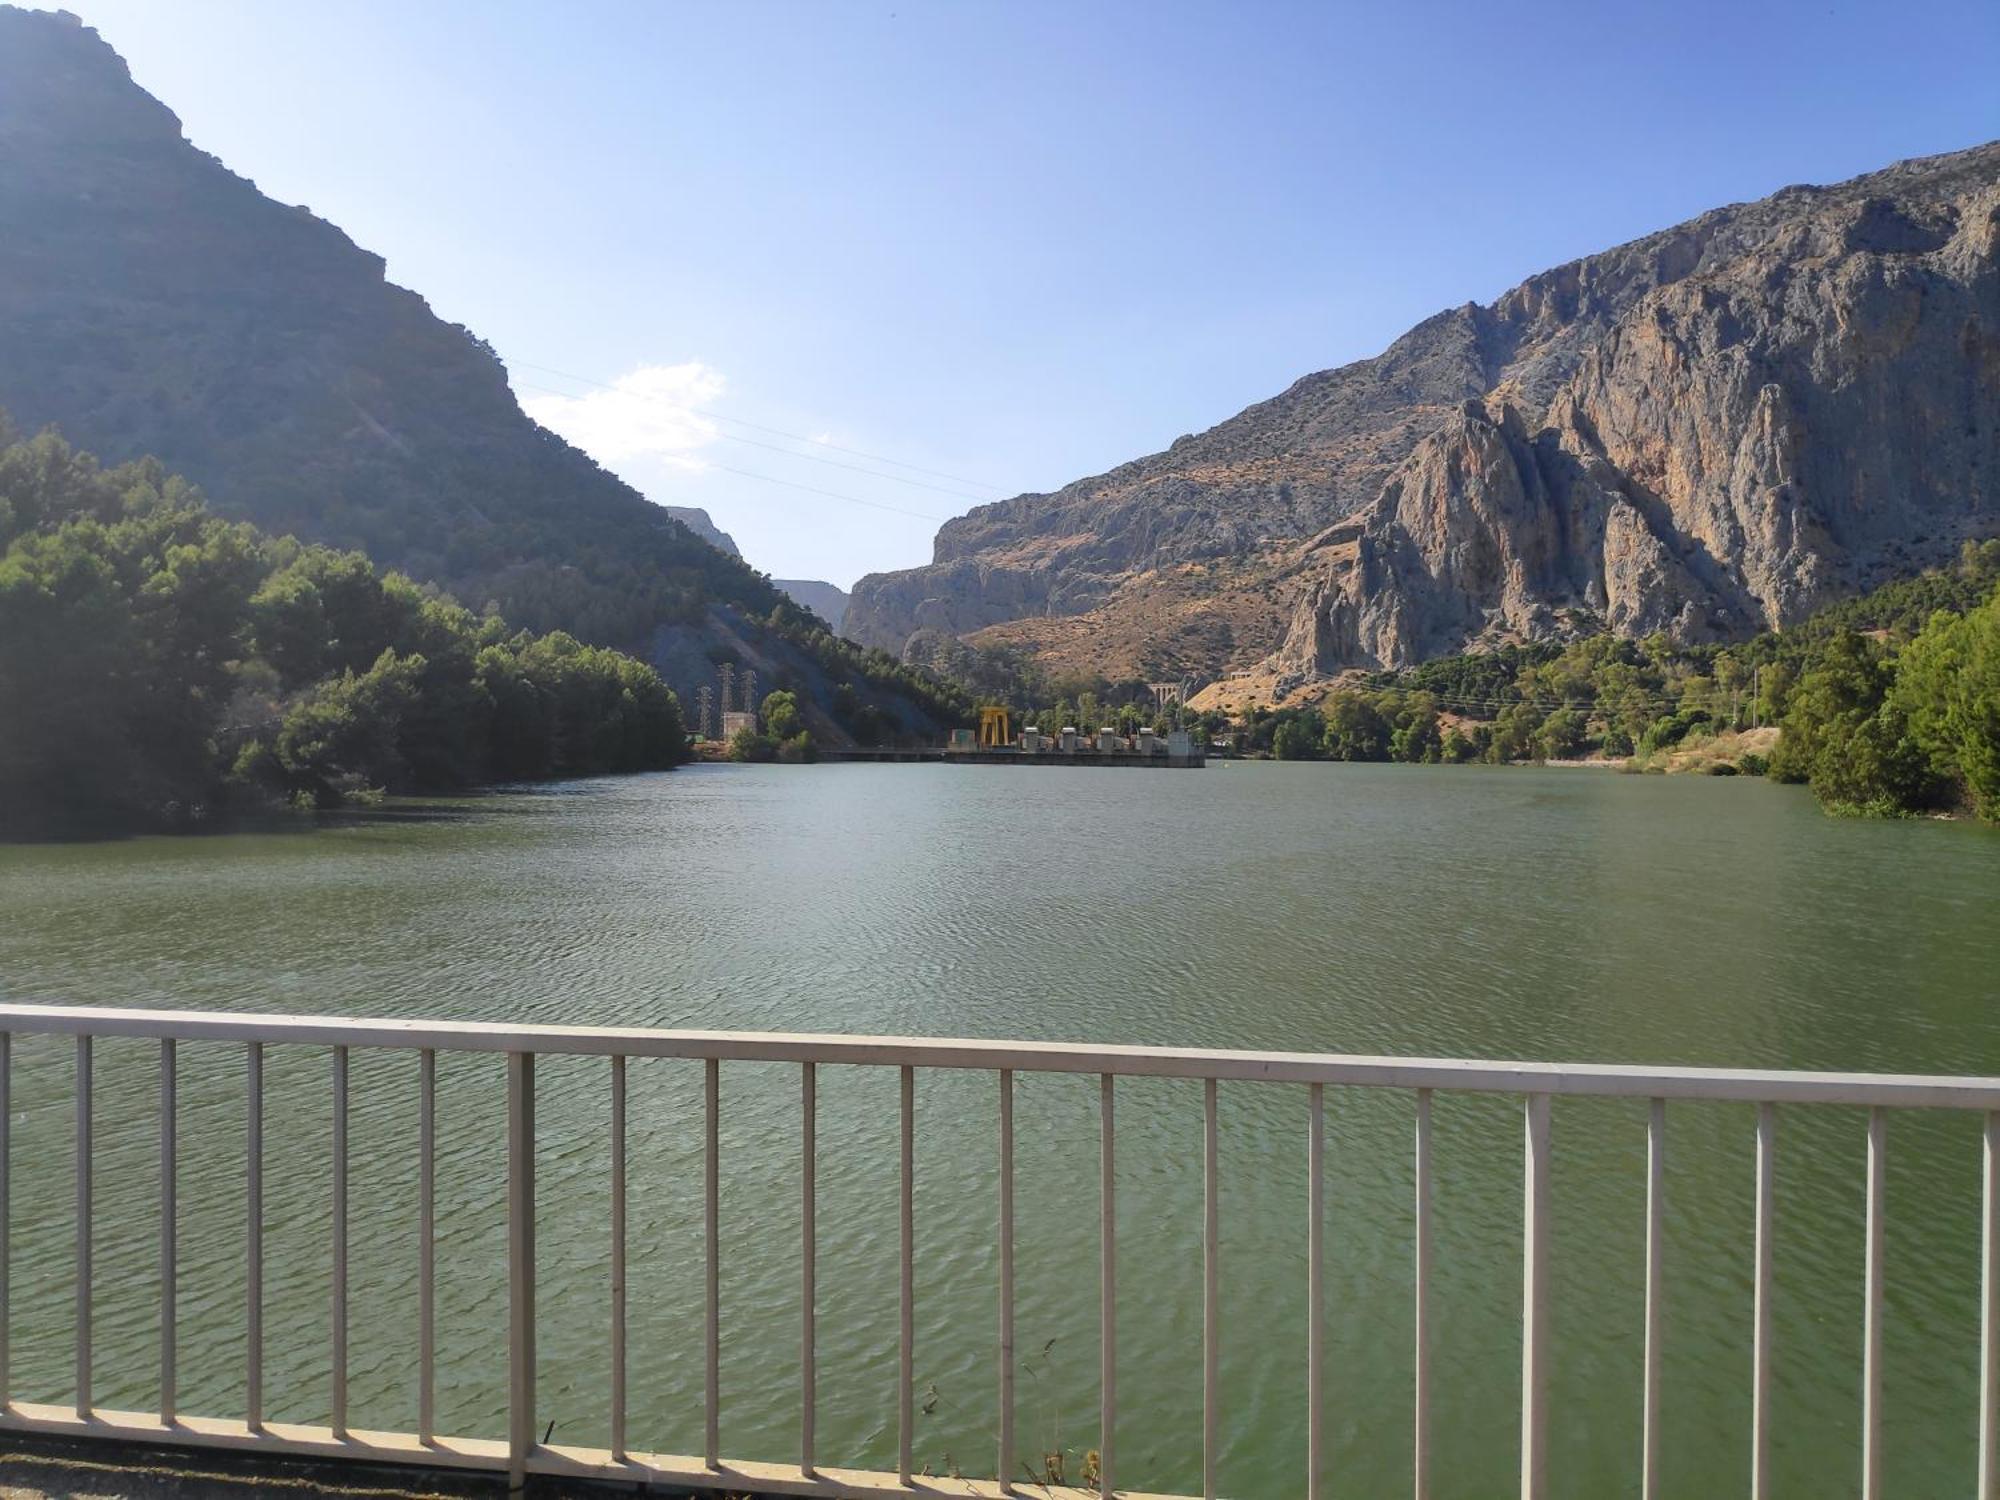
(521,1453)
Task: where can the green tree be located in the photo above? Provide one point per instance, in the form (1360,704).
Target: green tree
(1355,729)
(1947,689)
(782,719)
(1297,737)
(1843,737)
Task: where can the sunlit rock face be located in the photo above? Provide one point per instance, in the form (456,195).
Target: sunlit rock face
(1707,432)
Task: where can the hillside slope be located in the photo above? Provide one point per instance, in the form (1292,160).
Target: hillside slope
(153,302)
(1709,431)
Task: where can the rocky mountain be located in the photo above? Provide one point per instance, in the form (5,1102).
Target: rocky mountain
(153,302)
(697,520)
(1708,431)
(823,599)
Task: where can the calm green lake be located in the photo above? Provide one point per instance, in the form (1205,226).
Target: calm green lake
(1509,913)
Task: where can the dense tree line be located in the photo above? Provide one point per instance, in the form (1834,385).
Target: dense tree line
(1888,703)
(159,666)
(1877,729)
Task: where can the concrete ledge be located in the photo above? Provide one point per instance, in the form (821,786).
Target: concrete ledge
(35,1466)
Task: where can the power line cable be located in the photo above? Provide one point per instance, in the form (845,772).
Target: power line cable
(814,489)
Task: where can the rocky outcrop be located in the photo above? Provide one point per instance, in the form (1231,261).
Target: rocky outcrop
(697,520)
(823,599)
(1708,431)
(826,600)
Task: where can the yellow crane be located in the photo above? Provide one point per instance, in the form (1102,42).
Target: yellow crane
(996,730)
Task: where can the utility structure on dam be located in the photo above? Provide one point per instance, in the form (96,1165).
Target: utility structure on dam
(1179,749)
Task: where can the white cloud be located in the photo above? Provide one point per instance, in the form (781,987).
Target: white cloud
(643,414)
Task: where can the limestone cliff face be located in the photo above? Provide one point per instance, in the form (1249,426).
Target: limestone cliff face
(1706,432)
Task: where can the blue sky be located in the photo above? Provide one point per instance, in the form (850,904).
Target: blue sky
(1015,244)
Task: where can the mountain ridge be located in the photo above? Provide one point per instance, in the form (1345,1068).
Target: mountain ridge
(1363,517)
(155,303)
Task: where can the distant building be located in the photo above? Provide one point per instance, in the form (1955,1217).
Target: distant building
(732,722)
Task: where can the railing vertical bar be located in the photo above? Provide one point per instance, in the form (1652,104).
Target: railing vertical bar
(520,1266)
(808,1260)
(169,1232)
(253,1236)
(1656,1202)
(1535,1302)
(1989,1311)
(1871,1317)
(1107,1291)
(1315,1290)
(426,1245)
(1421,1461)
(1006,1457)
(906,1333)
(1211,1291)
(339,1310)
(618,1360)
(712,1338)
(1760,1356)
(6,1216)
(83,1212)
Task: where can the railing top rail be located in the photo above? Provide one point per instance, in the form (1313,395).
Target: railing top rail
(1478,1075)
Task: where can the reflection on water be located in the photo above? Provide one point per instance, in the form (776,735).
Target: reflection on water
(1457,912)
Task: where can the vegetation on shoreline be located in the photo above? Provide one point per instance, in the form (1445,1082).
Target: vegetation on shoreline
(160,666)
(1889,702)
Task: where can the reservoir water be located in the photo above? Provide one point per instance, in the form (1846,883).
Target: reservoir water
(1508,913)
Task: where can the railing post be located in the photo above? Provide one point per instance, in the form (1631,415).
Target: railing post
(809,1264)
(338,1313)
(169,1233)
(253,1238)
(1535,1302)
(426,1245)
(83,1226)
(1315,1289)
(712,1246)
(1107,1293)
(906,1312)
(1989,1310)
(1656,1197)
(1420,1467)
(1871,1314)
(1211,1306)
(618,1359)
(1760,1346)
(1006,1456)
(520,1266)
